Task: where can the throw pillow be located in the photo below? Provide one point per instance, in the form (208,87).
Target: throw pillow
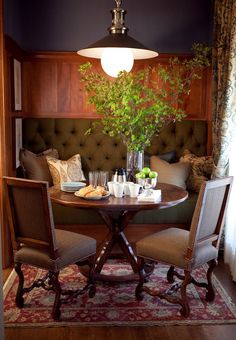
(66,171)
(201,169)
(169,157)
(174,173)
(35,166)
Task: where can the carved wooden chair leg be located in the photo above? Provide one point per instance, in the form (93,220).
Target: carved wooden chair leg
(185,310)
(20,290)
(56,313)
(91,283)
(210,294)
(90,274)
(142,278)
(170,274)
(149,267)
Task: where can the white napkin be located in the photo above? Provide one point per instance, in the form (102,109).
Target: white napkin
(150,195)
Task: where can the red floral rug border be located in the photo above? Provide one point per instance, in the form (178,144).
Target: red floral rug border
(115,305)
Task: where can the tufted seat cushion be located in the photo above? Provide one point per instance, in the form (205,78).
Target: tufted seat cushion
(171,245)
(71,246)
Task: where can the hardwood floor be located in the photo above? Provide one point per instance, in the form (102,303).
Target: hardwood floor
(226,332)
(205,332)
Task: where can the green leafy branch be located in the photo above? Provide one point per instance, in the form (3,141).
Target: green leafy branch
(134,106)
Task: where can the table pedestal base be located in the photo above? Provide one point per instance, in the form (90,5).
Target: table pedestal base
(117,278)
(116,236)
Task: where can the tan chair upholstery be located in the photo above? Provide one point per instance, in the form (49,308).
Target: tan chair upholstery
(188,249)
(36,242)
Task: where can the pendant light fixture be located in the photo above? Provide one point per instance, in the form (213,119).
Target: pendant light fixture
(117,50)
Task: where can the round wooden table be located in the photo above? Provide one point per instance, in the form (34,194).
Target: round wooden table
(116,214)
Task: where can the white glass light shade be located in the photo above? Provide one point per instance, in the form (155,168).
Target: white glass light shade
(114,60)
(117,50)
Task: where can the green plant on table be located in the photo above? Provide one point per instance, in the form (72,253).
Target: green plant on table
(136,105)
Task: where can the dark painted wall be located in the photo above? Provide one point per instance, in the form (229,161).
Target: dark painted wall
(68,25)
(13,20)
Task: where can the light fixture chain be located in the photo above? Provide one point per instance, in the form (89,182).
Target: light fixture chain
(118,3)
(118,22)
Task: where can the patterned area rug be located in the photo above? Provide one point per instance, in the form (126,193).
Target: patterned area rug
(114,303)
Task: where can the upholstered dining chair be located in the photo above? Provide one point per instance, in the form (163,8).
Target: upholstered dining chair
(36,242)
(188,250)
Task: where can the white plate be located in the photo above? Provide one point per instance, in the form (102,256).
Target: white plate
(72,186)
(92,198)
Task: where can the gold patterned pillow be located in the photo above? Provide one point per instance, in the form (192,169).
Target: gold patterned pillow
(201,169)
(66,171)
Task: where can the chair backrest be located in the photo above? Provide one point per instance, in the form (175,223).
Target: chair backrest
(30,214)
(209,214)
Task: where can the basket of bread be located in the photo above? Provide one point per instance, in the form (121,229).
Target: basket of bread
(91,193)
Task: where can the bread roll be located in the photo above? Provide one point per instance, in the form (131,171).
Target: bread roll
(93,193)
(86,190)
(90,191)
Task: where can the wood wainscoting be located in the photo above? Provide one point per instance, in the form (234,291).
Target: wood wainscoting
(52,87)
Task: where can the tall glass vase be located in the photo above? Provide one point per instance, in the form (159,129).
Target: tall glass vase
(134,163)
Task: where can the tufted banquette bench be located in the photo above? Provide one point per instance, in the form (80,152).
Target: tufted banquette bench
(101,152)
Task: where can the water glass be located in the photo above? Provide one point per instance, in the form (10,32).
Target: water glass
(93,178)
(103,178)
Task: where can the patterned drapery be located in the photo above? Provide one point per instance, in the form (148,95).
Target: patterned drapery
(224,113)
(224,83)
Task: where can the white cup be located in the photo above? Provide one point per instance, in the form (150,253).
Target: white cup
(118,189)
(126,188)
(110,187)
(134,189)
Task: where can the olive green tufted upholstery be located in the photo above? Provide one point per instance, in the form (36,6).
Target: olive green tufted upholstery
(100,152)
(183,135)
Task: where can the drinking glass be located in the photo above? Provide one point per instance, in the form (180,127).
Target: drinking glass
(103,179)
(93,178)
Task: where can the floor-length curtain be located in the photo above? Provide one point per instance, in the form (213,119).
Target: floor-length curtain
(230,230)
(224,111)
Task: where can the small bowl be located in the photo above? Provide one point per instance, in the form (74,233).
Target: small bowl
(147,183)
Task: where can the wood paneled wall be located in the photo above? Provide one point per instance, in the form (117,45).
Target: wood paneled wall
(51,85)
(9,50)
(52,88)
